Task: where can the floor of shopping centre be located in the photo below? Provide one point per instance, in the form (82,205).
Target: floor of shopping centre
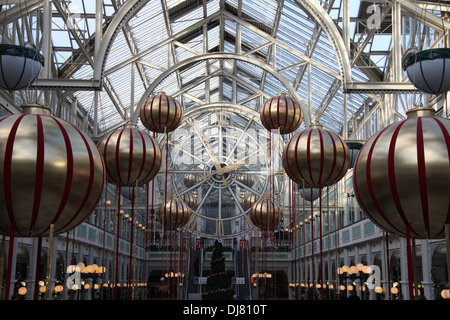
(224,150)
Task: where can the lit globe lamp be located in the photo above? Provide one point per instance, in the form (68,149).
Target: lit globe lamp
(429,70)
(19,66)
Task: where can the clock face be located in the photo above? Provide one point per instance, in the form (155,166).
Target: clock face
(221,162)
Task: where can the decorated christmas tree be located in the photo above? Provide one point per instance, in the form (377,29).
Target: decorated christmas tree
(218,284)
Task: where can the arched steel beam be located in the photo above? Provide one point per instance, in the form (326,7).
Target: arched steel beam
(312,7)
(223,55)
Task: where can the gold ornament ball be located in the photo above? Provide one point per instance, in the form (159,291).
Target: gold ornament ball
(402,176)
(161,113)
(317,157)
(265,214)
(51,173)
(281,113)
(173,214)
(131,156)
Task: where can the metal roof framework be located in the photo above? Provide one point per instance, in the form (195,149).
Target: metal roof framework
(104,57)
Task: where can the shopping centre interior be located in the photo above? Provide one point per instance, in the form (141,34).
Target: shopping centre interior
(224,149)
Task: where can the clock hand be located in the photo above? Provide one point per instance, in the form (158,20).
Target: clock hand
(231,167)
(208,147)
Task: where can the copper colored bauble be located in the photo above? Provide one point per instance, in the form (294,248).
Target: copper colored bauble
(173,214)
(161,113)
(131,156)
(402,176)
(317,157)
(190,200)
(248,201)
(51,173)
(281,112)
(191,179)
(265,214)
(246,179)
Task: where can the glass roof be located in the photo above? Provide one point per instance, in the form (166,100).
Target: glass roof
(276,36)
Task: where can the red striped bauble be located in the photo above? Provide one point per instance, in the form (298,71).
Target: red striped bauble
(191,179)
(317,157)
(131,156)
(173,214)
(161,113)
(51,173)
(248,201)
(402,176)
(246,179)
(190,200)
(265,214)
(281,112)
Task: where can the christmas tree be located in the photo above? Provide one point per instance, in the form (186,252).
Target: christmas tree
(218,284)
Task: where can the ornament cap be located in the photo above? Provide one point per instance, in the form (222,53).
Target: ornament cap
(315,126)
(34,108)
(420,112)
(129,125)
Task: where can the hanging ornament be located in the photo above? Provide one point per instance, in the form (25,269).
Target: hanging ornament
(281,112)
(429,70)
(173,214)
(402,175)
(51,173)
(265,214)
(190,200)
(131,156)
(161,113)
(354,146)
(19,66)
(316,156)
(309,194)
(245,179)
(191,179)
(248,201)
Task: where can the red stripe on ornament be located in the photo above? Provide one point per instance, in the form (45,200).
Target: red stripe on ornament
(308,157)
(296,155)
(392,177)
(130,158)
(39,174)
(422,175)
(369,185)
(7,172)
(155,126)
(117,157)
(153,162)
(90,183)
(144,153)
(69,172)
(447,142)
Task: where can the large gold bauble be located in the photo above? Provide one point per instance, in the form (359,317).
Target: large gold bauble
(281,113)
(161,113)
(316,157)
(173,214)
(131,156)
(51,173)
(402,176)
(265,214)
